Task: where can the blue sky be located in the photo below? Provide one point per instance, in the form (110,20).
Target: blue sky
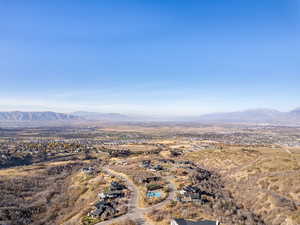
(155,57)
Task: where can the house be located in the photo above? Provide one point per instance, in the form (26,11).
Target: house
(157,168)
(184,162)
(103,209)
(194,190)
(119,153)
(111,195)
(191,189)
(186,222)
(167,161)
(88,170)
(146,164)
(115,186)
(193,193)
(176,153)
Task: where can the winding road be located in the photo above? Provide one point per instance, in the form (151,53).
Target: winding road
(135,212)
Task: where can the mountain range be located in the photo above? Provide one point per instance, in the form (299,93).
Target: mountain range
(268,116)
(18,116)
(254,116)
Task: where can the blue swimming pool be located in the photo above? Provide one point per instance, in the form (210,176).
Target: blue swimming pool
(152,194)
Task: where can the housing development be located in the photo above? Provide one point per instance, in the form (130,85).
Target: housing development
(150,174)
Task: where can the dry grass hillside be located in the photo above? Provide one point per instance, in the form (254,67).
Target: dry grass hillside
(265,180)
(48,193)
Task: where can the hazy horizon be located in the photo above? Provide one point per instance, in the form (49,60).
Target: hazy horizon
(160,58)
(152,115)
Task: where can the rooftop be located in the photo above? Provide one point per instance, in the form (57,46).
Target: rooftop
(186,222)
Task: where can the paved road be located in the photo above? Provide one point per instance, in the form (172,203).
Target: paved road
(135,212)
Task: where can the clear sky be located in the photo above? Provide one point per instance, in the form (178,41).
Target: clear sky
(170,57)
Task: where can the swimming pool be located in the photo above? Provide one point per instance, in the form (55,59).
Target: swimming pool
(152,194)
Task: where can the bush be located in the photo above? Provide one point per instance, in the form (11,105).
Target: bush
(87,220)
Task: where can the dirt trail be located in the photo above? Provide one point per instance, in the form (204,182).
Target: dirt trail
(135,212)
